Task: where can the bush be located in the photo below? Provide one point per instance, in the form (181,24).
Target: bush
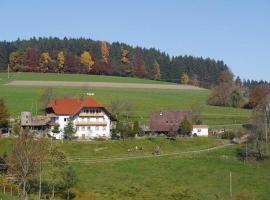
(228,135)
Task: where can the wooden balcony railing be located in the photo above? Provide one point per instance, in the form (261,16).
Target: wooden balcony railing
(91,115)
(91,123)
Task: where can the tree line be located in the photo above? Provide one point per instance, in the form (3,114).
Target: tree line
(238,93)
(99,57)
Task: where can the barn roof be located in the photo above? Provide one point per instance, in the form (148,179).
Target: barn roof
(168,120)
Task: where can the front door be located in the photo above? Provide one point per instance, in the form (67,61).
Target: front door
(83,136)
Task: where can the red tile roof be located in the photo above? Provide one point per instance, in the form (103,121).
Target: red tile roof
(70,106)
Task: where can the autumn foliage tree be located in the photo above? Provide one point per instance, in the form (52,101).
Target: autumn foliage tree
(60,61)
(157,71)
(257,94)
(87,61)
(184,78)
(105,51)
(124,56)
(139,69)
(45,61)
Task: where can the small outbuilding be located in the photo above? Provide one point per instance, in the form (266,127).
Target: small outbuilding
(200,130)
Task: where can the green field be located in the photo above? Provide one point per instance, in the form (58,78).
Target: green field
(74,77)
(20,98)
(200,175)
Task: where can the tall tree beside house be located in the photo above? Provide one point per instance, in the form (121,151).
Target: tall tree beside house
(157,71)
(60,61)
(184,78)
(69,179)
(87,61)
(4,115)
(105,51)
(185,127)
(196,109)
(45,98)
(69,129)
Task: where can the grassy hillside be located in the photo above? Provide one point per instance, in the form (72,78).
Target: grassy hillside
(19,98)
(201,175)
(75,77)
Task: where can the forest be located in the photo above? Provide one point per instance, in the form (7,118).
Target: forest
(100,57)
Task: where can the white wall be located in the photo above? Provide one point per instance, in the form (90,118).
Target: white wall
(94,132)
(62,120)
(200,131)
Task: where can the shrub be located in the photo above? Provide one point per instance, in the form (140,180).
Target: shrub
(228,135)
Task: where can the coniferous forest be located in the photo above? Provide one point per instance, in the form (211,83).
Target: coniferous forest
(99,57)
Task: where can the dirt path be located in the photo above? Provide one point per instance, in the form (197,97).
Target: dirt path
(102,85)
(108,159)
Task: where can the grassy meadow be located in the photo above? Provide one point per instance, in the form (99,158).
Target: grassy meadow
(144,101)
(193,176)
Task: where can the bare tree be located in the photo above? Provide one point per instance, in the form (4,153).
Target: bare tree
(116,107)
(127,108)
(24,160)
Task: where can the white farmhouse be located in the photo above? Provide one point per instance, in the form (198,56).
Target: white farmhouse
(200,130)
(90,119)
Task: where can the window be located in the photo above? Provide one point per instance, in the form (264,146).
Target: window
(88,119)
(65,119)
(199,130)
(88,128)
(104,128)
(97,128)
(83,128)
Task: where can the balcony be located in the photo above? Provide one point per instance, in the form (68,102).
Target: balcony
(91,123)
(91,115)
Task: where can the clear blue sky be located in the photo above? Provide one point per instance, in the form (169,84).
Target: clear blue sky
(236,31)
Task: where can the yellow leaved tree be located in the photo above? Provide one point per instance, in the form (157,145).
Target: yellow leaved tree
(86,60)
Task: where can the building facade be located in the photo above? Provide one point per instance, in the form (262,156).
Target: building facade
(90,119)
(200,130)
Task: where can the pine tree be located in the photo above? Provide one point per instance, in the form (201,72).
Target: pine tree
(69,129)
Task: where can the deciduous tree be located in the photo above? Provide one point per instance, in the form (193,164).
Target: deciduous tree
(124,56)
(157,71)
(185,127)
(105,51)
(87,61)
(184,78)
(258,94)
(44,62)
(60,61)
